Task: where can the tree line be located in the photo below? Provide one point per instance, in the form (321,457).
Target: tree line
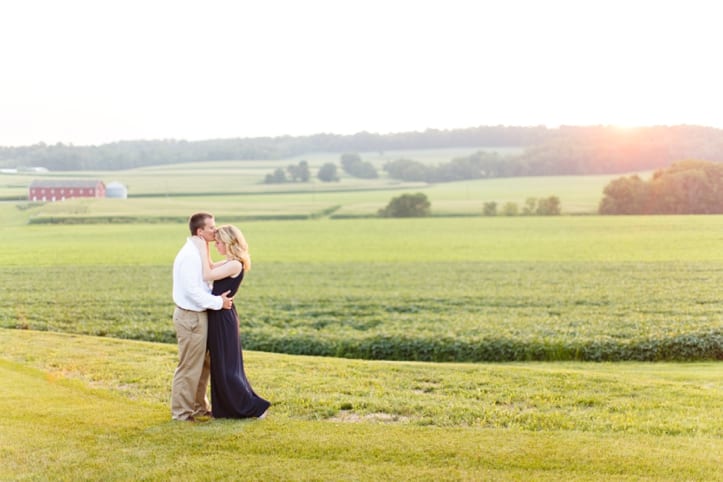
(543,151)
(576,151)
(687,187)
(130,154)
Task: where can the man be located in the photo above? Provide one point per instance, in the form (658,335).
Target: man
(193,297)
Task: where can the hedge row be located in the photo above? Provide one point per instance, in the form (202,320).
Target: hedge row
(159,219)
(687,347)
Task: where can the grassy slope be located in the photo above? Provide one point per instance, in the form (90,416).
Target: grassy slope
(92,408)
(240,191)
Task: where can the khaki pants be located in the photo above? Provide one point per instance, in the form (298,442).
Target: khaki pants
(190,380)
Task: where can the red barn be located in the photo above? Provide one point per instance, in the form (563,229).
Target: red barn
(59,189)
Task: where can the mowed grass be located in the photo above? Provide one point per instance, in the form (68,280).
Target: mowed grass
(645,239)
(78,407)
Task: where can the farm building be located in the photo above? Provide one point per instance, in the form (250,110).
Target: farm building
(116,190)
(59,189)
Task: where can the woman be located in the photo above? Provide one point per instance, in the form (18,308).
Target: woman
(231,393)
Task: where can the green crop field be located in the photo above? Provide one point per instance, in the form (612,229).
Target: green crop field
(443,289)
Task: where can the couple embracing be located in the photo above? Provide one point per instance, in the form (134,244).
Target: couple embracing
(207,326)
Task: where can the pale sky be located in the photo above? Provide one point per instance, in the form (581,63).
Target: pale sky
(97,71)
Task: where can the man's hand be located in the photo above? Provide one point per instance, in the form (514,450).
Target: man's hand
(227,302)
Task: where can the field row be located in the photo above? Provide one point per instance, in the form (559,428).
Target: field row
(453,311)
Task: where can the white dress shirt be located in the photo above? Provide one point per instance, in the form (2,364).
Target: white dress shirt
(190,291)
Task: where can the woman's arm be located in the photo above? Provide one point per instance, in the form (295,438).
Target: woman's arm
(206,262)
(222,270)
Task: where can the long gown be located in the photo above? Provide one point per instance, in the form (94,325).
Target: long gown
(231,392)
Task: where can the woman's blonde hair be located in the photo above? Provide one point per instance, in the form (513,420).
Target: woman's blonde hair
(235,243)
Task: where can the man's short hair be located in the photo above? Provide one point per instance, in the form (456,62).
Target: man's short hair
(198,221)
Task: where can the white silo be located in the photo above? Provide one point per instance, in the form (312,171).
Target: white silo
(116,190)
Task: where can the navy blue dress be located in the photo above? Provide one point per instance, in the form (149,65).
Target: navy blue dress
(231,393)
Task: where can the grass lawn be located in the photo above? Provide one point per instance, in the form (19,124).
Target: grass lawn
(78,407)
